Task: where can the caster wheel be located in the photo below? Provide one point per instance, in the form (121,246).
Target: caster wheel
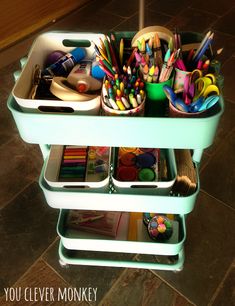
(63,264)
(178,270)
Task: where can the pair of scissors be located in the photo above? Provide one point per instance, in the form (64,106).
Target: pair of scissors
(204,85)
(189,85)
(199,105)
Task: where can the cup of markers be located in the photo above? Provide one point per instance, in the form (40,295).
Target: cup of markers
(123,96)
(156,68)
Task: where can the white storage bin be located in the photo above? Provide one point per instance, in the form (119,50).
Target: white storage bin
(41,48)
(157,187)
(94,181)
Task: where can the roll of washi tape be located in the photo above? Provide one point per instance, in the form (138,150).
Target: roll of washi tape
(148,32)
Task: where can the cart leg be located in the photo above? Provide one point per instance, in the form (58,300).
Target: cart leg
(141,14)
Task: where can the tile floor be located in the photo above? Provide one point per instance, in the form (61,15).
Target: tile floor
(29,243)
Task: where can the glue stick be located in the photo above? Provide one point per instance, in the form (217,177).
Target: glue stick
(81,78)
(64,65)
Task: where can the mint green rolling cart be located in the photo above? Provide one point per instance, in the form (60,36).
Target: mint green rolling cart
(48,129)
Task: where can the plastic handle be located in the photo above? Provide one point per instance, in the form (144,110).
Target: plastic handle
(76,43)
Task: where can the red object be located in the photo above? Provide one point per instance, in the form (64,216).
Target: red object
(128,159)
(81,87)
(127,173)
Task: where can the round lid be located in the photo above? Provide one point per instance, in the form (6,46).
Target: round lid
(81,87)
(146,175)
(128,159)
(127,173)
(145,160)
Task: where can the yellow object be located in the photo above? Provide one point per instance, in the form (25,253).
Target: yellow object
(132,230)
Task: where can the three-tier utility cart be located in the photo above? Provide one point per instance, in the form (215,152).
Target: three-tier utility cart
(48,129)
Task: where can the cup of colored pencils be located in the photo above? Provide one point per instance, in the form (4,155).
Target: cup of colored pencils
(123,91)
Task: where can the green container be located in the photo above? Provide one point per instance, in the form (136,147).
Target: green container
(154,91)
(156,103)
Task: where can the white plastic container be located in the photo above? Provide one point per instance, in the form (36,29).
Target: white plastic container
(52,170)
(41,48)
(157,187)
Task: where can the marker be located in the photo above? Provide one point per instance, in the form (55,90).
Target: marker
(121,49)
(125,102)
(150,75)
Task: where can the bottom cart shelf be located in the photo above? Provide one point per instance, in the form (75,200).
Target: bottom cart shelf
(83,248)
(71,257)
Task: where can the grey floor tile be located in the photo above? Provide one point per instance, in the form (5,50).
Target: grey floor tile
(7,83)
(151,18)
(209,251)
(225,41)
(142,287)
(227,71)
(192,20)
(226,23)
(226,295)
(170,7)
(40,285)
(82,19)
(221,7)
(20,165)
(27,227)
(225,126)
(117,8)
(102,278)
(217,178)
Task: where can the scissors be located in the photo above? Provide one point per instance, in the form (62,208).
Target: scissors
(177,102)
(204,85)
(35,81)
(199,105)
(202,104)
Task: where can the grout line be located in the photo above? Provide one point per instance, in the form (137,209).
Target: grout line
(32,265)
(215,150)
(218,200)
(17,194)
(220,286)
(171,286)
(114,284)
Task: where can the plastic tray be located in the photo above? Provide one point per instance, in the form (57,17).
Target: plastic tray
(157,187)
(91,199)
(42,46)
(193,133)
(52,169)
(90,242)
